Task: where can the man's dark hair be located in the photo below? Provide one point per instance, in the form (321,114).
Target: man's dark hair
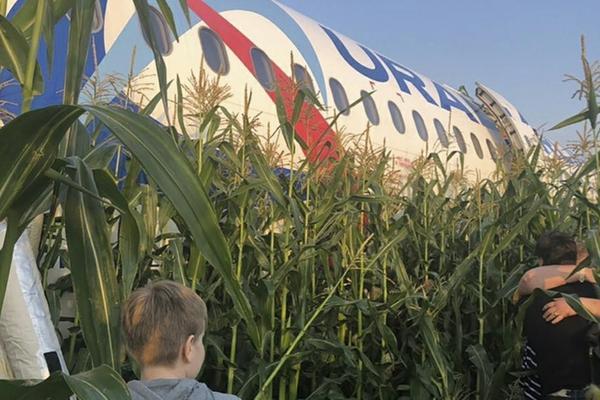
(556,248)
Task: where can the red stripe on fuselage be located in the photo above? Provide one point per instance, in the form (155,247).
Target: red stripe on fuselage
(311,128)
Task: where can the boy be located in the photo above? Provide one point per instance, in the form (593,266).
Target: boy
(163,326)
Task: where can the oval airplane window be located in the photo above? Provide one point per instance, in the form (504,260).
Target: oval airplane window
(477,146)
(160,31)
(214,51)
(460,140)
(339,96)
(262,66)
(441,132)
(528,141)
(303,78)
(98,21)
(420,124)
(396,117)
(370,107)
(491,149)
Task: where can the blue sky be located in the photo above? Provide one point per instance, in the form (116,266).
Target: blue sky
(520,48)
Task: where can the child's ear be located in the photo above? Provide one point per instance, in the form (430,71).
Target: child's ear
(188,348)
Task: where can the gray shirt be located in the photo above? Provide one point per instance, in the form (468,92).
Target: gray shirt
(174,389)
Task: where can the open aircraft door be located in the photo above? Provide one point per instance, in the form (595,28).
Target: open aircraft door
(515,131)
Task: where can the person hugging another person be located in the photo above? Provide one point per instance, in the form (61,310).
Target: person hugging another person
(163,326)
(556,345)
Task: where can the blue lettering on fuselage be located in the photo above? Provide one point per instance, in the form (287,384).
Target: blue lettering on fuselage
(404,75)
(448,101)
(401,74)
(377,73)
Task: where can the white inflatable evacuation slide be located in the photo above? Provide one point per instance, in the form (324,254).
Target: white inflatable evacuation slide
(29,347)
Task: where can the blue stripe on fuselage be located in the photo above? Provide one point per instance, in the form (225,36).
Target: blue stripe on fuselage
(54,76)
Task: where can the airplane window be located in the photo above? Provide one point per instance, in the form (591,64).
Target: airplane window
(477,146)
(528,141)
(370,107)
(441,132)
(98,22)
(339,96)
(214,51)
(460,140)
(491,149)
(396,117)
(303,78)
(161,32)
(262,66)
(420,124)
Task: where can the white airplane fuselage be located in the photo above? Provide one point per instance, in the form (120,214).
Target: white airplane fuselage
(251,44)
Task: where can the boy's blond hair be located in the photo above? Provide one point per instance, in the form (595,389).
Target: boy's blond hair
(158,319)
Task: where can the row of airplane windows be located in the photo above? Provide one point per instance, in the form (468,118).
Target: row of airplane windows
(216,58)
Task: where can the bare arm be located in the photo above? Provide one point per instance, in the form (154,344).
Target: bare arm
(550,276)
(558,309)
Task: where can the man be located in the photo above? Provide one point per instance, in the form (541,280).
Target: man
(556,336)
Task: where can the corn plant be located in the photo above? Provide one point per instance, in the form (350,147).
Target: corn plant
(358,282)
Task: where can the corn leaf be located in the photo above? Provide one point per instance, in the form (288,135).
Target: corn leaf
(28,146)
(80,32)
(97,384)
(92,268)
(173,173)
(143,12)
(129,231)
(13,54)
(571,120)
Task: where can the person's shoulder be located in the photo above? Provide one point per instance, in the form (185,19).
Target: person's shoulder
(225,396)
(215,395)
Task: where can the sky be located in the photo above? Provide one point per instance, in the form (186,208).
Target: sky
(520,48)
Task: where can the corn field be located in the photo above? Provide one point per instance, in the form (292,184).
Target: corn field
(349,280)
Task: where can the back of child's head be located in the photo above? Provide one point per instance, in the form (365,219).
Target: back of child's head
(158,319)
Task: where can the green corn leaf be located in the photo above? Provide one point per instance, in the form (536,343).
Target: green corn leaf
(180,102)
(571,120)
(176,250)
(48,32)
(101,155)
(92,268)
(28,146)
(13,54)
(510,284)
(168,14)
(266,174)
(298,104)
(58,177)
(485,370)
(149,202)
(100,383)
(24,19)
(129,231)
(80,32)
(434,349)
(591,89)
(143,12)
(186,10)
(590,165)
(172,172)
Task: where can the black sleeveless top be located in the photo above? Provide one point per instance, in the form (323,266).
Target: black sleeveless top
(562,351)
